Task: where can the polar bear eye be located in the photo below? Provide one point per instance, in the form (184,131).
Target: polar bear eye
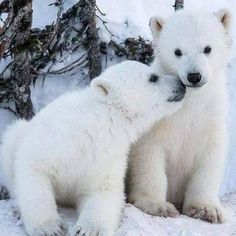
(154,78)
(178,52)
(207,49)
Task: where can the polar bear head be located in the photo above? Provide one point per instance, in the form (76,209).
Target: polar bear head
(194,46)
(137,91)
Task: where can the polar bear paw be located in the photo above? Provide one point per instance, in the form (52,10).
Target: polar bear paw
(163,209)
(4,194)
(55,228)
(206,212)
(91,229)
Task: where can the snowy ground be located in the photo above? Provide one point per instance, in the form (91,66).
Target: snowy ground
(123,22)
(136,223)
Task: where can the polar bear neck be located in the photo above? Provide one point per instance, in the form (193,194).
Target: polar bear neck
(132,125)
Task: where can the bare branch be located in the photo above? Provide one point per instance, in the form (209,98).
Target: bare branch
(68,67)
(105,25)
(179,4)
(98,9)
(136,49)
(56,26)
(9,109)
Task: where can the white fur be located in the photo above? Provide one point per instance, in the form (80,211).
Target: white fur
(181,160)
(74,151)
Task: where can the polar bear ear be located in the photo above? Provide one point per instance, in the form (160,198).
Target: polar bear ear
(225,18)
(156,25)
(101,86)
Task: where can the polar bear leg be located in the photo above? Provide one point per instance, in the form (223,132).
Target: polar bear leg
(148,186)
(99,214)
(11,141)
(201,197)
(37,204)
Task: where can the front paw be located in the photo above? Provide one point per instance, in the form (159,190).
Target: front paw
(4,193)
(88,228)
(163,209)
(50,228)
(206,212)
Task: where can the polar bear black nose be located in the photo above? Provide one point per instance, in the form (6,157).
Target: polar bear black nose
(194,78)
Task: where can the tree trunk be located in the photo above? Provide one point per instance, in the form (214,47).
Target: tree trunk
(91,40)
(14,37)
(20,72)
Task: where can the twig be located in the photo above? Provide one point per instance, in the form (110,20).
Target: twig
(6,68)
(9,109)
(179,4)
(83,79)
(105,25)
(98,9)
(69,67)
(48,70)
(60,8)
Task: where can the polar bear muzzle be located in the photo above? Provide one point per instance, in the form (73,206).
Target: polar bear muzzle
(194,78)
(178,93)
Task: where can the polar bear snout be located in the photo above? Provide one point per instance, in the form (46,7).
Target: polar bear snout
(194,71)
(178,91)
(194,78)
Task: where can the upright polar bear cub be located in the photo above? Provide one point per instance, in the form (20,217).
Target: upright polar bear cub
(74,151)
(179,164)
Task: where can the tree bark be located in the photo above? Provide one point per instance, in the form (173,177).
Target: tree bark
(4,6)
(20,71)
(91,40)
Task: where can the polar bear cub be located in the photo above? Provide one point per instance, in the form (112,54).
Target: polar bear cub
(74,151)
(180,163)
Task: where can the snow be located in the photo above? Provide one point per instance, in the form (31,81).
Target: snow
(229,184)
(134,222)
(129,18)
(4,63)
(45,12)
(45,92)
(2,18)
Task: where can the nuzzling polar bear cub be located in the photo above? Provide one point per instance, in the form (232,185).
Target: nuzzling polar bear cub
(74,151)
(181,161)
